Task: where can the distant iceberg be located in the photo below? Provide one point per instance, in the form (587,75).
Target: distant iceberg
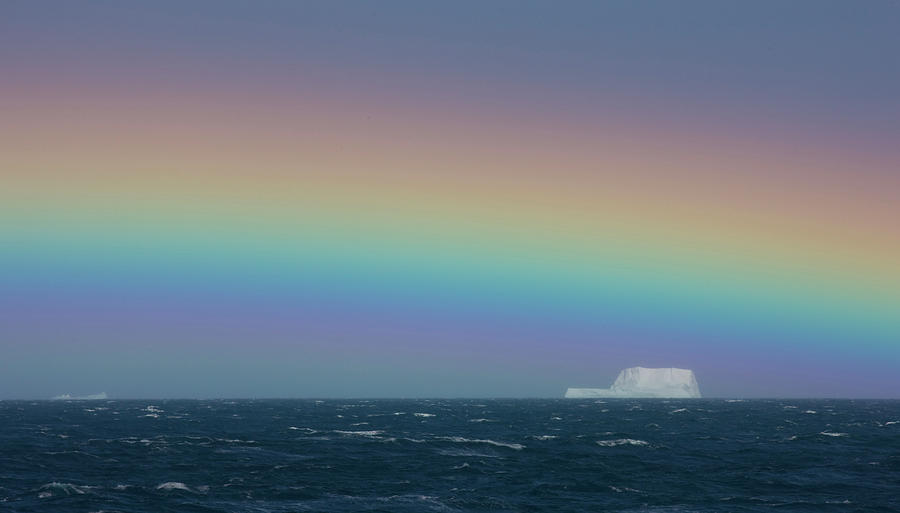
(644,382)
(92,397)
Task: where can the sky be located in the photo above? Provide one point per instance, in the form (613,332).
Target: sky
(448,199)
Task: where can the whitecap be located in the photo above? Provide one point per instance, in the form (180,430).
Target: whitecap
(621,441)
(737,401)
(624,489)
(173,485)
(459,439)
(544,437)
(373,432)
(424,414)
(480,420)
(892,422)
(810,412)
(829,433)
(679,410)
(56,488)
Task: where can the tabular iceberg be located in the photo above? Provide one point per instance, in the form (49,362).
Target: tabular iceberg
(644,382)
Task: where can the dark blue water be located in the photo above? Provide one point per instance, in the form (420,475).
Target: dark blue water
(450,455)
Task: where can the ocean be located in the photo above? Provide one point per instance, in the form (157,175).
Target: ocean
(700,455)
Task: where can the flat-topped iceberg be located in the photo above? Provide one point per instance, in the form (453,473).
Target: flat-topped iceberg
(644,382)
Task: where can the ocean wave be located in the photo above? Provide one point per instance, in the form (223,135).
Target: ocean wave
(679,410)
(55,489)
(829,433)
(481,420)
(544,437)
(466,453)
(424,414)
(371,433)
(459,439)
(624,489)
(170,486)
(432,503)
(621,441)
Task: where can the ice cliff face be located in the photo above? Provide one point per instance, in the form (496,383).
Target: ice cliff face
(644,382)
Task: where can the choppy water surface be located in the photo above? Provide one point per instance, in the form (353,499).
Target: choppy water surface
(450,455)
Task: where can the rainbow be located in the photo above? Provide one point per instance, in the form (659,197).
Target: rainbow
(330,225)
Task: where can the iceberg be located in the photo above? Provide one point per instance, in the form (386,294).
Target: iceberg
(68,397)
(643,382)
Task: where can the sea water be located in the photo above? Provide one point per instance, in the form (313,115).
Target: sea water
(703,455)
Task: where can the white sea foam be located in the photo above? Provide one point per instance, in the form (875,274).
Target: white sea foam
(173,485)
(621,441)
(829,433)
(481,420)
(459,439)
(424,414)
(679,410)
(55,488)
(371,433)
(735,400)
(810,412)
(544,437)
(624,489)
(892,422)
